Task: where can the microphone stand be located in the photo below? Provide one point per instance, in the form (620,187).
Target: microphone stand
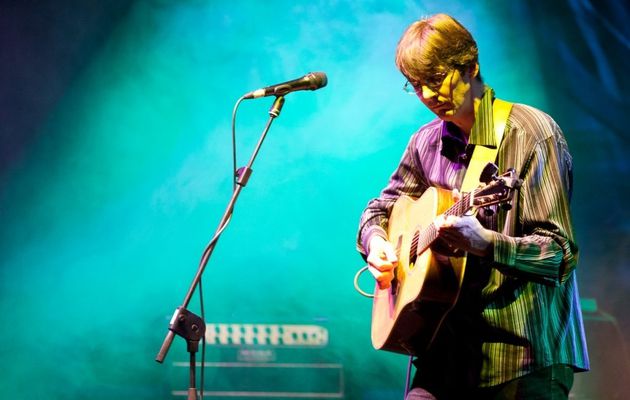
(184,323)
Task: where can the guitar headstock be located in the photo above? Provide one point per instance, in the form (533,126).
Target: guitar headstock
(499,189)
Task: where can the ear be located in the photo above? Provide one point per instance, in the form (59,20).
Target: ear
(474,70)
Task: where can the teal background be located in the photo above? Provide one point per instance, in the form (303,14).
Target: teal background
(116,167)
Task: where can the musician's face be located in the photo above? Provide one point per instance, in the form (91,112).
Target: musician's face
(452,98)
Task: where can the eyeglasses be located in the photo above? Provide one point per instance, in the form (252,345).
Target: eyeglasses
(433,82)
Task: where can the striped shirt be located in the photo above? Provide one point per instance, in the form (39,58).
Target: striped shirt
(528,297)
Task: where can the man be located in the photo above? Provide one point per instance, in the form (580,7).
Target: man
(516,331)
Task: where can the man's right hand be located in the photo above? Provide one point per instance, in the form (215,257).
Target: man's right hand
(381,261)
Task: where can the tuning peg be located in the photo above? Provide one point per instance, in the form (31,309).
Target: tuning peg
(489,173)
(506,206)
(488,211)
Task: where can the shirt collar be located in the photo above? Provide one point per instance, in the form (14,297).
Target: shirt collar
(454,145)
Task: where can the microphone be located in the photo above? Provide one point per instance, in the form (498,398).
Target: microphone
(310,81)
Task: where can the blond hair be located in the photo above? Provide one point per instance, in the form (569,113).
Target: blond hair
(434,43)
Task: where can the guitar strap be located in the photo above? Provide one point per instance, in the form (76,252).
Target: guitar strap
(482,155)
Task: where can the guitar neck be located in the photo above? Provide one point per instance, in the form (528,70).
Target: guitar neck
(464,204)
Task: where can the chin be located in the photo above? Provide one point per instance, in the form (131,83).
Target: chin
(446,115)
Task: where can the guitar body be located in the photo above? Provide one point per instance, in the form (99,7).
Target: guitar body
(406,316)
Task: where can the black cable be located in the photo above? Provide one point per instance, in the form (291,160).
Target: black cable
(234,168)
(234,177)
(203,341)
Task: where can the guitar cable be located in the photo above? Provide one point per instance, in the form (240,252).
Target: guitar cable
(408,377)
(356,283)
(371,296)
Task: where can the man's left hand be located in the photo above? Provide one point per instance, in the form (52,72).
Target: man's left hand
(465,233)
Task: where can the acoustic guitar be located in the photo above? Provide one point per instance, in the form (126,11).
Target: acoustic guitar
(407,316)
